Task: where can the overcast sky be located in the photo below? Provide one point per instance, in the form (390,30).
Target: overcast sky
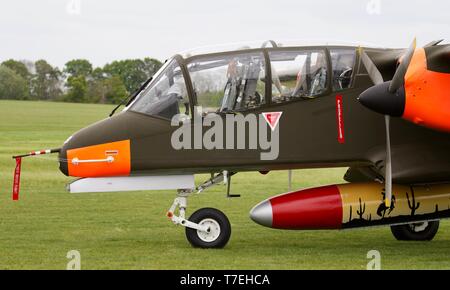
(106,30)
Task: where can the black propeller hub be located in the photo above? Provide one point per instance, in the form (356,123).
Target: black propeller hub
(379,99)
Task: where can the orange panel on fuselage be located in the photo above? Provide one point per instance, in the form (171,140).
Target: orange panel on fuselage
(120,166)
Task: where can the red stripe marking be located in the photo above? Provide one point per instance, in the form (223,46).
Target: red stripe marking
(340,119)
(16,184)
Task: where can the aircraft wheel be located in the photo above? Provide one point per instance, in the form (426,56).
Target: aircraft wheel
(422,231)
(218,225)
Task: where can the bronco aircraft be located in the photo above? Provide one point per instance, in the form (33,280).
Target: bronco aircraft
(383,113)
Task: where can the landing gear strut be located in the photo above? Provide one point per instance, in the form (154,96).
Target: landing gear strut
(421,231)
(207,227)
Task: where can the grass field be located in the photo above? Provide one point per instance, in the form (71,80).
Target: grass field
(130,230)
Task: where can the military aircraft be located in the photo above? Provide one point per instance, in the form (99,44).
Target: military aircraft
(384,113)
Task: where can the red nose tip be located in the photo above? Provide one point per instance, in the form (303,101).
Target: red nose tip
(315,208)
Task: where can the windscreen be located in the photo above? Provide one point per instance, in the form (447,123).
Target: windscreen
(166,95)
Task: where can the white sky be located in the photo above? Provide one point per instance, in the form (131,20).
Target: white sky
(106,30)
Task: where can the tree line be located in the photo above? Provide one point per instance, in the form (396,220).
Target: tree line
(79,81)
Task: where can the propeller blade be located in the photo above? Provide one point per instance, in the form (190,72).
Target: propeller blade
(388,164)
(400,73)
(376,92)
(434,43)
(372,70)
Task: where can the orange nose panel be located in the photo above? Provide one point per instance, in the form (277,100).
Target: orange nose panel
(109,159)
(427,95)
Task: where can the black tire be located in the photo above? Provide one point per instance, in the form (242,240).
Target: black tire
(220,219)
(407,232)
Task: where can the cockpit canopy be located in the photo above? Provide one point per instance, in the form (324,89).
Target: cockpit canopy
(245,79)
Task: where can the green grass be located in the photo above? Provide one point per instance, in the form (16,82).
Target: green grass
(130,230)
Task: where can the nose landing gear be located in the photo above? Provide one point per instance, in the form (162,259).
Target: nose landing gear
(207,227)
(218,230)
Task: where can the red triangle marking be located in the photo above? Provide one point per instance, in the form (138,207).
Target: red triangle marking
(272,118)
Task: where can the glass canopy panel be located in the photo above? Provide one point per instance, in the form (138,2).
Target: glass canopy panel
(342,63)
(233,82)
(166,95)
(298,73)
